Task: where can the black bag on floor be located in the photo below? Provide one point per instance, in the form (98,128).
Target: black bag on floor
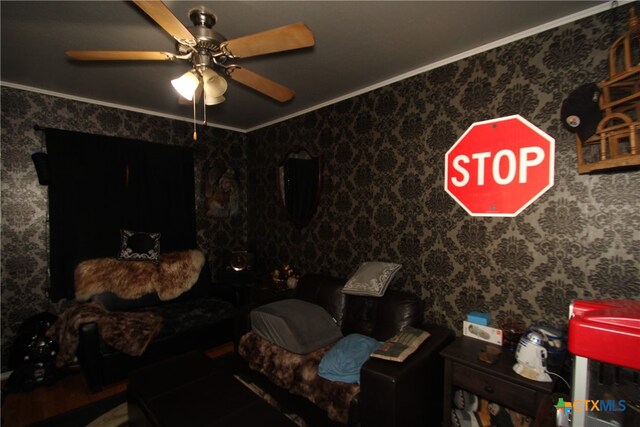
(33,354)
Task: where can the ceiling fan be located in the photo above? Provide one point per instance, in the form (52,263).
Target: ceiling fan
(210,53)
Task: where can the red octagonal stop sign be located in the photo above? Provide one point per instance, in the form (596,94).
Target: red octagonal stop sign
(499,167)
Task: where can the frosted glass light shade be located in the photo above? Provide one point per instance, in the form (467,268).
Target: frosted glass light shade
(214,84)
(208,100)
(186,84)
(196,97)
(213,92)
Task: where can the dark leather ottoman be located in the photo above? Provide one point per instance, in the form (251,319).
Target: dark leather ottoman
(193,390)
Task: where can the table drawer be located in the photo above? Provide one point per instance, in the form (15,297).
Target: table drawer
(513,396)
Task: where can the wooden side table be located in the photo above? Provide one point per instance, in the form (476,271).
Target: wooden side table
(495,382)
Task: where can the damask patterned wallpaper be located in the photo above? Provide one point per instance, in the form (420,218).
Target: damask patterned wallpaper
(383,196)
(23,239)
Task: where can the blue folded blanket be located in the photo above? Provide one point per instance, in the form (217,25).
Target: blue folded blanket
(344,361)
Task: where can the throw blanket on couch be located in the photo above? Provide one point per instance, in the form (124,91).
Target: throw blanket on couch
(129,333)
(299,374)
(175,274)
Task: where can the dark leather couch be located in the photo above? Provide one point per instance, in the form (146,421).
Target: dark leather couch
(391,393)
(199,319)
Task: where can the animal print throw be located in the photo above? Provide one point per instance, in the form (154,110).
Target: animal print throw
(126,332)
(175,274)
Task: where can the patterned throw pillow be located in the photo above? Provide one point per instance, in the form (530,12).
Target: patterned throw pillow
(372,278)
(139,246)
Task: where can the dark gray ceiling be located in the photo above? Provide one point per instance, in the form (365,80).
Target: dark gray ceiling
(360,45)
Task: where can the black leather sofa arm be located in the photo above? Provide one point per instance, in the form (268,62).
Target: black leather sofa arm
(89,355)
(408,393)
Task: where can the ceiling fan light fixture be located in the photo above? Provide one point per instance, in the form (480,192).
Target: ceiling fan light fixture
(214,84)
(208,100)
(186,84)
(197,95)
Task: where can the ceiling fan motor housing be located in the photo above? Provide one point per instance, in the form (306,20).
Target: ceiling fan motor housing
(202,17)
(208,40)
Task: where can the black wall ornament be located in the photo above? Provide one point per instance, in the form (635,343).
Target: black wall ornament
(299,181)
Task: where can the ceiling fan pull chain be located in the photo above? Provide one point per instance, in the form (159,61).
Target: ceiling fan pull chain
(195,133)
(204,107)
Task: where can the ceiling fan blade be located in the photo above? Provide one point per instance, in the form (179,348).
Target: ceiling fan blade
(119,55)
(289,37)
(261,84)
(160,13)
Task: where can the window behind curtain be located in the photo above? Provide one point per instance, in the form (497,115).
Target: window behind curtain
(102,184)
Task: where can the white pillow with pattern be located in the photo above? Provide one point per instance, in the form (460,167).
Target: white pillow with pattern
(372,278)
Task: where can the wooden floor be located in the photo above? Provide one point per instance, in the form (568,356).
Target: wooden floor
(21,409)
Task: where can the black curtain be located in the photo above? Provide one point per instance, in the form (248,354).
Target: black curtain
(160,195)
(301,188)
(102,184)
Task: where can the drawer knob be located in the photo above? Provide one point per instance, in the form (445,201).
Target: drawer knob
(488,389)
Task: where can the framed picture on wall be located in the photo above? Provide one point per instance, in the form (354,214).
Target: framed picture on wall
(221,193)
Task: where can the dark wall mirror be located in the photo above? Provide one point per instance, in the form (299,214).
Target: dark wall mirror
(299,179)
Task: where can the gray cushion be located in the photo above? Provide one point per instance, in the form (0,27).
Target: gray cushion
(295,325)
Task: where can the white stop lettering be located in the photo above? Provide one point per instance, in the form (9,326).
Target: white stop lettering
(528,157)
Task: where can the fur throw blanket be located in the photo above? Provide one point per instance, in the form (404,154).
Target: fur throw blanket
(175,274)
(299,374)
(129,333)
